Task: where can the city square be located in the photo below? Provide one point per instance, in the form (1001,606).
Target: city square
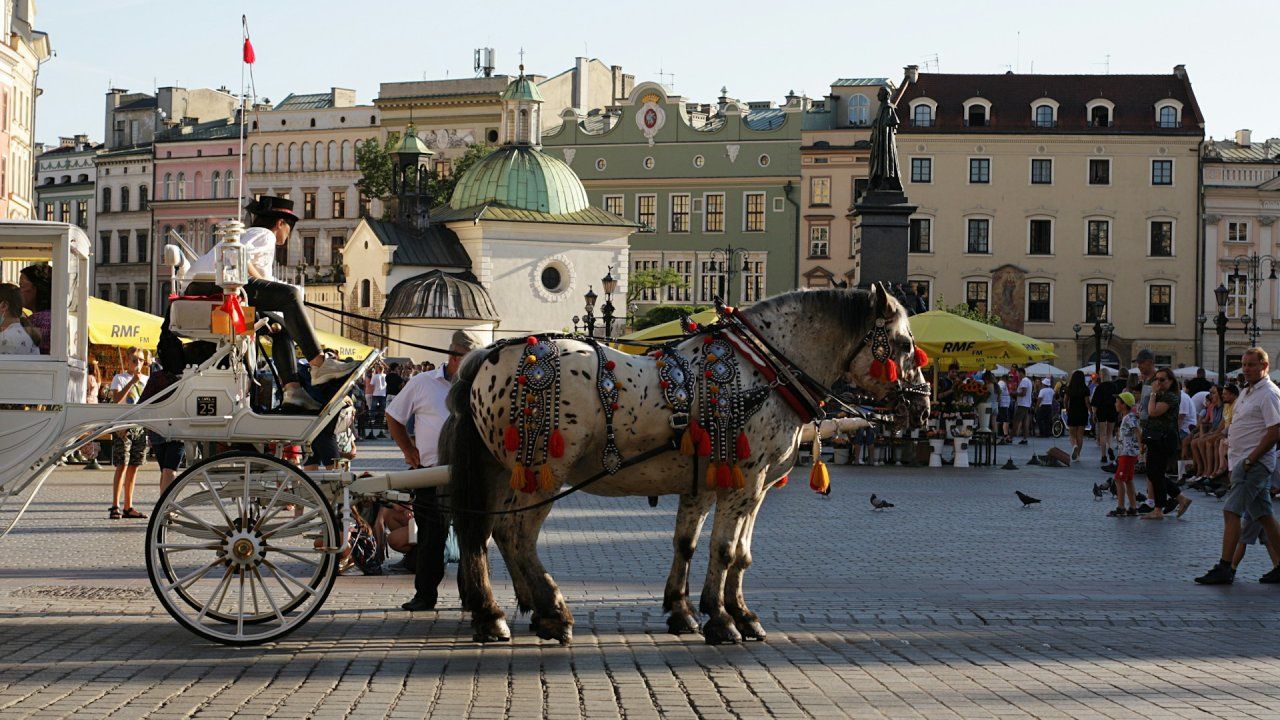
(657,362)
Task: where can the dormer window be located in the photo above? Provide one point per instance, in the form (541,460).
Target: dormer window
(1167,116)
(977,116)
(1099,116)
(922,116)
(859,111)
(1043,116)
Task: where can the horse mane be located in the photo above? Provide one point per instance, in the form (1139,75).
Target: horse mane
(854,309)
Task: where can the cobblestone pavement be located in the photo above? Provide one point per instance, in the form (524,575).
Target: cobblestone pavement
(956,603)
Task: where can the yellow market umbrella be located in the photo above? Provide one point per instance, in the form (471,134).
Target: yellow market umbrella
(344,347)
(672,327)
(119,326)
(973,345)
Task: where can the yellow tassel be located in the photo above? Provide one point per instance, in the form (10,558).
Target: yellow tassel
(517,477)
(739,481)
(711,475)
(686,442)
(819,480)
(547,479)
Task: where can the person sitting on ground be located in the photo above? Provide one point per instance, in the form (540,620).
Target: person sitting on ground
(36,284)
(17,335)
(273,221)
(1129,444)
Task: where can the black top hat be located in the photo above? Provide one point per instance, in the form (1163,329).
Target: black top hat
(269,206)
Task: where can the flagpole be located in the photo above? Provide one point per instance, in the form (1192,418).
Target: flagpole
(244,113)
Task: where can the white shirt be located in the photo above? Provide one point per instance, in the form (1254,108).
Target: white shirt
(1257,409)
(15,340)
(422,399)
(1046,396)
(1186,412)
(121,381)
(379,385)
(1197,401)
(1003,387)
(262,254)
(1025,386)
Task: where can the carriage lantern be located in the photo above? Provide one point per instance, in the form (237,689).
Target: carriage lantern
(233,256)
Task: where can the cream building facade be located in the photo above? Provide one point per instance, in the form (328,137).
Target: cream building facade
(1041,195)
(1241,210)
(22,50)
(835,149)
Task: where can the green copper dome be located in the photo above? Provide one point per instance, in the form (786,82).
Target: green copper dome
(517,176)
(522,88)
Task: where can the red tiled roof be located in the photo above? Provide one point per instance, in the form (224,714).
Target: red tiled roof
(1135,98)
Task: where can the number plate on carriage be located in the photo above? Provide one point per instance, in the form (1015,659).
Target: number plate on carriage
(206,405)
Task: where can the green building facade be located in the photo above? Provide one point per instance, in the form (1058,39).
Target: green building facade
(715,189)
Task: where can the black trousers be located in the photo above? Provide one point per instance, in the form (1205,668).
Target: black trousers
(433,532)
(1158,457)
(269,296)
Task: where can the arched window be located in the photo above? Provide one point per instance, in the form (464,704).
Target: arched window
(196,187)
(213,184)
(306,164)
(331,161)
(124,199)
(293,157)
(143,197)
(230,183)
(182,186)
(1100,116)
(922,116)
(859,110)
(366,291)
(269,158)
(977,115)
(168,187)
(373,119)
(1168,116)
(106,199)
(1044,116)
(255,158)
(347,160)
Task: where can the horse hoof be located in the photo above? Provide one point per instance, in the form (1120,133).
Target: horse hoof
(552,629)
(681,624)
(751,629)
(493,631)
(720,633)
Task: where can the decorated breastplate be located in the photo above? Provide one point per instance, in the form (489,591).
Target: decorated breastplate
(534,433)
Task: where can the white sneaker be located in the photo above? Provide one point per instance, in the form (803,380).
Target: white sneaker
(298,399)
(331,369)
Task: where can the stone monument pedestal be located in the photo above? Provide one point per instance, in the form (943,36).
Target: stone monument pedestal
(883,220)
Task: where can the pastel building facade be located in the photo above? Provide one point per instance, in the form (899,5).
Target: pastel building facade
(22,50)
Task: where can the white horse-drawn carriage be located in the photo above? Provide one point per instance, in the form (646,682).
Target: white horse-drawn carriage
(243,547)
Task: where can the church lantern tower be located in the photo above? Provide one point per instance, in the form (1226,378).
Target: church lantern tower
(522,113)
(412,173)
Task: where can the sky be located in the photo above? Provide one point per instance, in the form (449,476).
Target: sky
(759,49)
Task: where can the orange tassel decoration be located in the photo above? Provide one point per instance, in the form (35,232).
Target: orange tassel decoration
(555,445)
(724,477)
(547,479)
(739,480)
(704,442)
(744,446)
(530,481)
(922,358)
(517,477)
(686,442)
(511,441)
(783,482)
(819,480)
(711,476)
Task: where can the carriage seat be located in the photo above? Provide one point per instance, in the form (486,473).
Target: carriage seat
(202,318)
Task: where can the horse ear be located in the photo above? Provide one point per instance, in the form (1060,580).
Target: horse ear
(881,299)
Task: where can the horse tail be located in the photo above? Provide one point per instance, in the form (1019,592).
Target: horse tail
(462,448)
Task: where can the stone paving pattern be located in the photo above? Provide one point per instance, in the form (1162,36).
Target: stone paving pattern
(956,603)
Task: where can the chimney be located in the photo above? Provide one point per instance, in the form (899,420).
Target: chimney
(113,102)
(1244,138)
(581,96)
(1180,71)
(615,76)
(342,97)
(82,141)
(723,100)
(66,142)
(911,73)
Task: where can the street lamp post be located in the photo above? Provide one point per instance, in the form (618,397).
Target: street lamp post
(1253,264)
(589,320)
(1220,324)
(609,284)
(725,264)
(1102,332)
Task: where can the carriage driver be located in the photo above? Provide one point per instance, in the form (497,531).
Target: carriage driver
(421,404)
(273,221)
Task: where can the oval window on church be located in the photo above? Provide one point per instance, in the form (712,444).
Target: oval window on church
(552,278)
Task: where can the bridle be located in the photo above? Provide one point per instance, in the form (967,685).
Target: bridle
(901,391)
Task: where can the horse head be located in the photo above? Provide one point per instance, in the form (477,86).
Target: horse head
(884,363)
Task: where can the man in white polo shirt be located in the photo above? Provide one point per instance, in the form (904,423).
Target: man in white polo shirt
(422,402)
(1251,442)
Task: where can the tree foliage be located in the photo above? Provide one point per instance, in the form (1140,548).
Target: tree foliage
(377,165)
(665,313)
(652,279)
(964,311)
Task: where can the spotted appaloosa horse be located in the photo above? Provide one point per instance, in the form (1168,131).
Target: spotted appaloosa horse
(822,332)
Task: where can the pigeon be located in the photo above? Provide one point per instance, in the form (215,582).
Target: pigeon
(1140,497)
(1098,490)
(879,504)
(1026,499)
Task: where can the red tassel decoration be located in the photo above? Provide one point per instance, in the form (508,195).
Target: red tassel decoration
(530,481)
(783,482)
(724,477)
(744,447)
(555,445)
(891,370)
(877,369)
(704,442)
(922,358)
(511,441)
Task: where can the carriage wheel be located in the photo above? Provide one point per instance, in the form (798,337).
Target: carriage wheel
(242,549)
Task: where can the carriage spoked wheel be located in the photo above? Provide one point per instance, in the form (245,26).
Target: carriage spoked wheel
(242,548)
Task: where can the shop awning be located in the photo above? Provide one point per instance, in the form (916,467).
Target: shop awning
(973,345)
